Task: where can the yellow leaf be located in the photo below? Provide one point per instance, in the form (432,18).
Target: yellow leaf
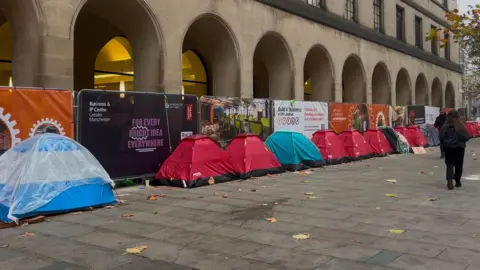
(301,236)
(211,181)
(312,197)
(29,234)
(397,231)
(309,193)
(393,181)
(135,250)
(271,220)
(391,195)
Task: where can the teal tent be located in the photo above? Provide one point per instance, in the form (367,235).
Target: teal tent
(294,151)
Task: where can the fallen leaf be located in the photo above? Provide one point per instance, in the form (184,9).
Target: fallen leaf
(156,213)
(301,236)
(378,208)
(25,224)
(271,220)
(135,250)
(4,246)
(109,207)
(224,196)
(309,193)
(27,234)
(264,204)
(432,199)
(76,213)
(216,193)
(155,197)
(127,215)
(435,166)
(305,181)
(211,181)
(422,172)
(264,187)
(397,231)
(275,203)
(253,190)
(312,197)
(269,175)
(393,181)
(391,195)
(303,173)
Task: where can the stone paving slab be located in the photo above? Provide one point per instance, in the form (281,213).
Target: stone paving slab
(349,223)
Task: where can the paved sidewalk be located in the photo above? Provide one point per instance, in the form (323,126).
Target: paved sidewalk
(349,223)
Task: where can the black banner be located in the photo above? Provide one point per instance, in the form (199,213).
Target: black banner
(127,132)
(416,114)
(182,117)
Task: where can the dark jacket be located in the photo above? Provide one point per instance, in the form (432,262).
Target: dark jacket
(462,136)
(440,120)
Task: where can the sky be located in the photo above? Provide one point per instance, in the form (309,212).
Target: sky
(463,4)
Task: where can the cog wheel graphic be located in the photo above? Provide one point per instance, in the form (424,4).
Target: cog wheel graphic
(11,126)
(49,123)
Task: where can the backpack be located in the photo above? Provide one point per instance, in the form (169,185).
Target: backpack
(451,139)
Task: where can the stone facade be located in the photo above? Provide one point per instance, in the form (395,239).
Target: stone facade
(250,48)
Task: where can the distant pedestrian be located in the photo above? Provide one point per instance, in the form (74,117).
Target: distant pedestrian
(453,138)
(439,124)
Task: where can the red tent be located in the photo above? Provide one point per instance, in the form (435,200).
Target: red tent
(331,146)
(416,136)
(404,131)
(472,128)
(379,143)
(356,146)
(251,158)
(196,159)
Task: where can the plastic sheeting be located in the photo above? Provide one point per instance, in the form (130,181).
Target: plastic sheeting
(41,168)
(431,134)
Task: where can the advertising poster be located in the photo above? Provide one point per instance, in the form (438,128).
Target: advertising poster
(126,132)
(431,114)
(223,118)
(182,112)
(378,115)
(306,117)
(25,113)
(397,116)
(416,115)
(347,116)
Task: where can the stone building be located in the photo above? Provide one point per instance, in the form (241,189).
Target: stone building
(332,50)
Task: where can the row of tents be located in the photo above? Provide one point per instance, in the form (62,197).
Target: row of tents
(49,173)
(199,160)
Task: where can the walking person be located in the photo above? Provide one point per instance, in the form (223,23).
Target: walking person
(453,138)
(439,121)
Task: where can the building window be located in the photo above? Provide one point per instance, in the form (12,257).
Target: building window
(351,10)
(400,23)
(418,32)
(377,15)
(434,42)
(317,3)
(447,47)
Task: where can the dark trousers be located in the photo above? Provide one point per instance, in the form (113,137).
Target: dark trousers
(454,161)
(442,152)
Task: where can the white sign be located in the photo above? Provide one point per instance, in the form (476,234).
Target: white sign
(301,116)
(431,113)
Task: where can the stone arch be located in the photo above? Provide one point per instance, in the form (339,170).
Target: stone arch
(273,71)
(437,96)
(381,85)
(421,90)
(96,23)
(449,95)
(212,40)
(22,25)
(318,75)
(403,88)
(354,80)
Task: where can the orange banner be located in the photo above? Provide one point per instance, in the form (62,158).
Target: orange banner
(25,113)
(379,115)
(348,116)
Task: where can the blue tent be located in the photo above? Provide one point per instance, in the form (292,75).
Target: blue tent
(294,150)
(49,174)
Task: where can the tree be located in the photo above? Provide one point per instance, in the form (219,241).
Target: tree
(464,28)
